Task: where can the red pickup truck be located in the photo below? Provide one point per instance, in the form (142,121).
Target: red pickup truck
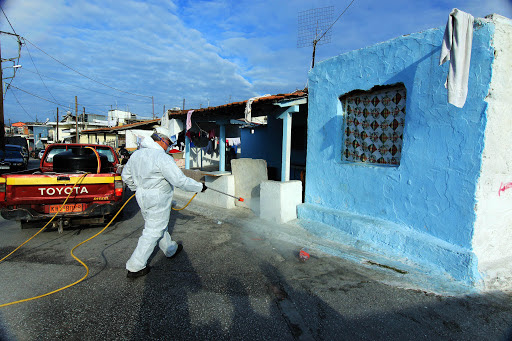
(33,196)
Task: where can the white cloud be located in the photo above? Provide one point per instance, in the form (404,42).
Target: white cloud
(199,50)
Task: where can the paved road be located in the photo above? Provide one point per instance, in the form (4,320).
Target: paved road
(237,278)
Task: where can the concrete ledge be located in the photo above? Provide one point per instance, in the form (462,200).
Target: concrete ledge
(223,183)
(279,200)
(249,173)
(392,240)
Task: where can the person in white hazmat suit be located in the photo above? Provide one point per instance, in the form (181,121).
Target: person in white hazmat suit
(152,173)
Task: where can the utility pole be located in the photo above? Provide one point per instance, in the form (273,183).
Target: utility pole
(57,140)
(2,130)
(83,120)
(183,105)
(314,51)
(76,119)
(153,103)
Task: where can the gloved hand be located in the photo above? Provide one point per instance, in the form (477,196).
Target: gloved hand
(204,188)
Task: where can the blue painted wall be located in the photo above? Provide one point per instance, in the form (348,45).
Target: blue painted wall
(265,143)
(423,209)
(43,130)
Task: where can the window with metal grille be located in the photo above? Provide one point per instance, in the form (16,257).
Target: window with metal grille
(374,125)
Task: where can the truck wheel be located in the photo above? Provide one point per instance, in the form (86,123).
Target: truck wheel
(31,224)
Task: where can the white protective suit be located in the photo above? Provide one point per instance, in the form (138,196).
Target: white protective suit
(152,173)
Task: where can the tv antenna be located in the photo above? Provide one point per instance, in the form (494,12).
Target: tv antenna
(313,28)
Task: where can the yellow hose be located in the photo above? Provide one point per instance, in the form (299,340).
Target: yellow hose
(42,229)
(179,209)
(76,258)
(97,158)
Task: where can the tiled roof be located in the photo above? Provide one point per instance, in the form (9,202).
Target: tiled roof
(123,127)
(237,109)
(260,107)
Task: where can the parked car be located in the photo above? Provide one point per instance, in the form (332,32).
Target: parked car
(11,159)
(40,155)
(20,141)
(24,153)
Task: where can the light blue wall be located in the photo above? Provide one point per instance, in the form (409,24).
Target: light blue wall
(423,209)
(265,143)
(43,130)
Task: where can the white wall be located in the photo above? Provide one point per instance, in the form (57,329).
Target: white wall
(492,239)
(131,137)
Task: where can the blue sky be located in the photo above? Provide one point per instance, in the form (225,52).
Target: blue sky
(208,52)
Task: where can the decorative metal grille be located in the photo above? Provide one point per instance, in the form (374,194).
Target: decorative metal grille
(374,125)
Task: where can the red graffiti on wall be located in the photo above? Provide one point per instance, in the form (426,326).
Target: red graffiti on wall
(504,187)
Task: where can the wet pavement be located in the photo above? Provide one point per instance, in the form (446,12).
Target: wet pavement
(238,277)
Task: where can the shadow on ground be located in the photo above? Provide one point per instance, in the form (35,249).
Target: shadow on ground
(233,291)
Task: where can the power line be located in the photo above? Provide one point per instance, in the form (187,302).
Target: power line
(32,117)
(81,74)
(47,100)
(336,20)
(8,20)
(99,92)
(11,59)
(39,73)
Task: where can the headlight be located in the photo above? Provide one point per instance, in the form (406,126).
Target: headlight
(18,164)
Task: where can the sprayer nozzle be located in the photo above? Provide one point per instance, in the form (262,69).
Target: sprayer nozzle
(241,199)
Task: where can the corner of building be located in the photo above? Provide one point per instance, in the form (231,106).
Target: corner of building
(492,233)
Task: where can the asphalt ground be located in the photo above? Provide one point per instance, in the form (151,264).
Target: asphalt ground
(238,278)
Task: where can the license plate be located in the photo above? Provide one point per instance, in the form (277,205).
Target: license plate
(4,167)
(66,208)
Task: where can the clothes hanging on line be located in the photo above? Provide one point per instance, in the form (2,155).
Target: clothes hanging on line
(235,141)
(189,119)
(456,48)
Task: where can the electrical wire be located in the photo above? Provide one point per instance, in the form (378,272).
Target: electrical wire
(8,20)
(47,100)
(41,78)
(77,86)
(14,60)
(327,30)
(81,74)
(10,85)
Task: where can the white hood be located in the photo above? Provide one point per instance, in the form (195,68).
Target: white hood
(148,142)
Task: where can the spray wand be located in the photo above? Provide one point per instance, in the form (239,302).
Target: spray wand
(229,195)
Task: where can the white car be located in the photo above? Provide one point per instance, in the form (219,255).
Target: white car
(40,155)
